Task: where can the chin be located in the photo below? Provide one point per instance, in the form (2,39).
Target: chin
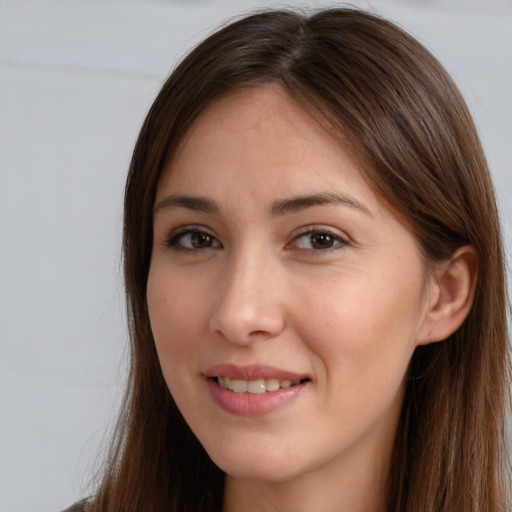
(258,465)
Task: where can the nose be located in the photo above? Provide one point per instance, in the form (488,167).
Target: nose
(249,305)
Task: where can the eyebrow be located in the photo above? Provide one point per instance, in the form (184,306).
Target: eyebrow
(281,207)
(295,204)
(198,203)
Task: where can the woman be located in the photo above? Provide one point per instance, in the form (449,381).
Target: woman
(315,282)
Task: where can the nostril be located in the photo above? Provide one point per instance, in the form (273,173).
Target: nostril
(257,334)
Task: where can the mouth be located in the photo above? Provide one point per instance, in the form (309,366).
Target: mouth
(254,390)
(257,386)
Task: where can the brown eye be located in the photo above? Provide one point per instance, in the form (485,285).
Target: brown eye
(321,240)
(318,240)
(192,239)
(200,240)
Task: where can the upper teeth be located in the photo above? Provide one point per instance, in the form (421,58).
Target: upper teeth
(254,386)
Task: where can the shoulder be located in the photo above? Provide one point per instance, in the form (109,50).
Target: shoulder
(80,506)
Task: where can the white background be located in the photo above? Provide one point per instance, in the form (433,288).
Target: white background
(76,78)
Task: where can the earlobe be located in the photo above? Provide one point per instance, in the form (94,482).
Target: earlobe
(452,296)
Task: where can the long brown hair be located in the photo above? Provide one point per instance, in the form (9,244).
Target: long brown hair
(403,117)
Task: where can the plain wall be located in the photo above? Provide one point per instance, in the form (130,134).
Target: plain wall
(76,79)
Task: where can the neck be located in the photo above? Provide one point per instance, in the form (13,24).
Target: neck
(350,488)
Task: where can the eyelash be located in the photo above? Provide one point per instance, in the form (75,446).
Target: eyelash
(339,241)
(173,241)
(176,237)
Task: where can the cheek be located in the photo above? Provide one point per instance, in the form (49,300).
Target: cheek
(364,324)
(177,318)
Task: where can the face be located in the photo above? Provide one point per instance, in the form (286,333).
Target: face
(285,300)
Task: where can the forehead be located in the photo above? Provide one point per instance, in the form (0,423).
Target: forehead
(261,135)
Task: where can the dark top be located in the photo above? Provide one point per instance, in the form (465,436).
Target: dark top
(80,506)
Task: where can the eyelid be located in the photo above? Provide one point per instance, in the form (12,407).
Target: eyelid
(172,239)
(341,237)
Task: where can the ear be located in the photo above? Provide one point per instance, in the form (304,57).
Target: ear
(451,295)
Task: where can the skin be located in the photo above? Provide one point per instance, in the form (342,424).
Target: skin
(345,307)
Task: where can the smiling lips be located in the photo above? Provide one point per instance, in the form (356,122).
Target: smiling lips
(257,386)
(253,390)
